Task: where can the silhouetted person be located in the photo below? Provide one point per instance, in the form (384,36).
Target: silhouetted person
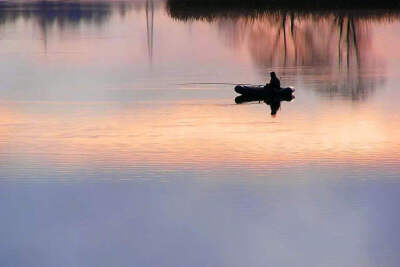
(274,83)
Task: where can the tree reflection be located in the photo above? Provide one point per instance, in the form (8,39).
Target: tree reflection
(337,47)
(332,46)
(62,13)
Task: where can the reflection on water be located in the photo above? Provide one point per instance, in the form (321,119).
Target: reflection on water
(273,102)
(121,145)
(62,13)
(338,43)
(150,27)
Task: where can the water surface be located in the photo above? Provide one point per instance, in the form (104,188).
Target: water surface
(116,149)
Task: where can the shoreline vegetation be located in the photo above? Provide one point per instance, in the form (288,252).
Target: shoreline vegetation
(213,9)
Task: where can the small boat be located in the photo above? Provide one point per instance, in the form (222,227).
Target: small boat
(263,91)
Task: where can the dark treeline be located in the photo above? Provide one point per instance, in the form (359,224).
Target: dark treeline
(299,3)
(212,9)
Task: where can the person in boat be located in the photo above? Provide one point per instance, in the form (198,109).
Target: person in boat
(274,83)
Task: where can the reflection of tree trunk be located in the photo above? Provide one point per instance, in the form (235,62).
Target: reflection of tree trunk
(278,35)
(149,24)
(355,42)
(293,38)
(348,43)
(284,37)
(44,29)
(340,22)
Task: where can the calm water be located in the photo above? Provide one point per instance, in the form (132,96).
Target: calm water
(116,149)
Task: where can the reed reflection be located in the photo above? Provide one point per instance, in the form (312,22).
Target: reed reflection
(334,45)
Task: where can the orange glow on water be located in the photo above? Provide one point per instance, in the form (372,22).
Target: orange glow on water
(193,135)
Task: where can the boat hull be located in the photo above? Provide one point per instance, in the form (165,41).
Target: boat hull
(263,91)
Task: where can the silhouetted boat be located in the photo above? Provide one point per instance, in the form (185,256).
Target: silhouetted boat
(263,91)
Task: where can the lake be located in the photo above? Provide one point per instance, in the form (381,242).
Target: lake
(121,143)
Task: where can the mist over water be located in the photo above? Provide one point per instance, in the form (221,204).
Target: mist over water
(121,143)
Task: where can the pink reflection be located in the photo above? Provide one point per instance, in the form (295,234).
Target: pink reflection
(338,46)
